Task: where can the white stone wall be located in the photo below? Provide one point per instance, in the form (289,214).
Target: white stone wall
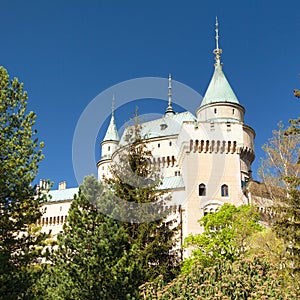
(54,216)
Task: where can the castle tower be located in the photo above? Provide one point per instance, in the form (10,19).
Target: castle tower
(220,102)
(217,164)
(108,146)
(221,105)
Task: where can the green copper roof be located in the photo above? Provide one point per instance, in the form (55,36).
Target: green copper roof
(162,127)
(171,183)
(62,195)
(112,133)
(219,90)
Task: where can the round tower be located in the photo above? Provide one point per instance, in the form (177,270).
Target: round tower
(109,145)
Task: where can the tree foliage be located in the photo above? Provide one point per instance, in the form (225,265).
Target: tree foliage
(135,183)
(280,172)
(243,279)
(226,235)
(20,155)
(91,260)
(280,162)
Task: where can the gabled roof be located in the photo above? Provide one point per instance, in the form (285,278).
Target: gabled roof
(111,133)
(219,89)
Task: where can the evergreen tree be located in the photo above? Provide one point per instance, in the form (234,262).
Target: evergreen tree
(91,259)
(142,207)
(20,154)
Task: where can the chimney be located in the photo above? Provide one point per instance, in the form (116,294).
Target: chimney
(43,184)
(62,185)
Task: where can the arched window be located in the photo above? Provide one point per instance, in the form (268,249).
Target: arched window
(202,189)
(211,208)
(224,190)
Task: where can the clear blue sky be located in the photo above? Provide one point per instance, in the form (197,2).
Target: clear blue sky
(67,52)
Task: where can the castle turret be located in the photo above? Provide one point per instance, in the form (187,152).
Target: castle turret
(220,102)
(108,146)
(221,106)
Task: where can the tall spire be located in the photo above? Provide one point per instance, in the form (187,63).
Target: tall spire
(113,106)
(219,89)
(170,109)
(217,51)
(112,133)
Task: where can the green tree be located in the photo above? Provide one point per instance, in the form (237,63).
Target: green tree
(20,155)
(280,172)
(226,235)
(242,279)
(91,259)
(135,185)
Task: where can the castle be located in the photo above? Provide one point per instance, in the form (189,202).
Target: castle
(205,158)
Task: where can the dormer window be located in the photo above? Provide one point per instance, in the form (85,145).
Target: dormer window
(163,126)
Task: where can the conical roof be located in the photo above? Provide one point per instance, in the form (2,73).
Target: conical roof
(112,133)
(219,89)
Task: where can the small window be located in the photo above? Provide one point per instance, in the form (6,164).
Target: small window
(170,143)
(158,145)
(224,190)
(108,148)
(102,168)
(60,208)
(215,110)
(163,126)
(211,208)
(202,189)
(233,111)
